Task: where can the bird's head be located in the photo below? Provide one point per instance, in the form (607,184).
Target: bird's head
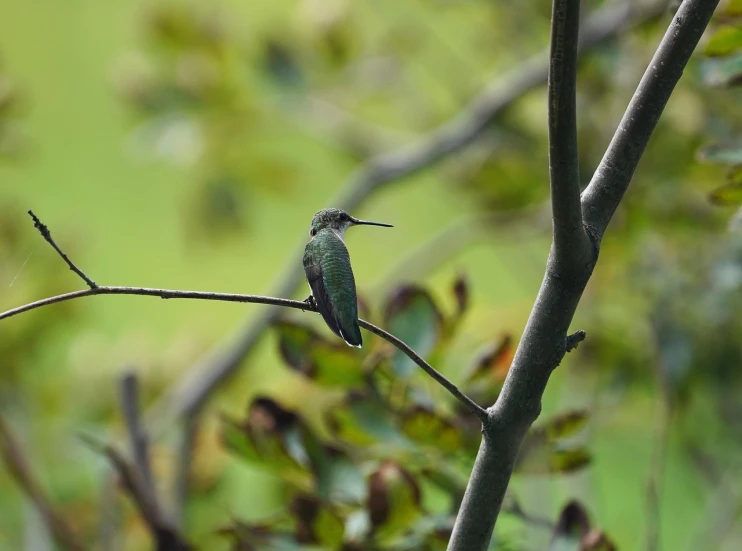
(338,221)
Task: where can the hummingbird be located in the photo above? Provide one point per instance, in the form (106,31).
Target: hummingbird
(328,271)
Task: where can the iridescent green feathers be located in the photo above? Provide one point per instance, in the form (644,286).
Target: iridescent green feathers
(330,276)
(328,271)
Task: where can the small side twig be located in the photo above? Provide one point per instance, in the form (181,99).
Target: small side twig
(574,339)
(47,235)
(20,470)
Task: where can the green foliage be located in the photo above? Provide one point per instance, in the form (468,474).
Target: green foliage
(362,486)
(724,67)
(328,363)
(411,315)
(261,110)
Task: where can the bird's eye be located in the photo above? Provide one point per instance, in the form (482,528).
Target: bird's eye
(312,232)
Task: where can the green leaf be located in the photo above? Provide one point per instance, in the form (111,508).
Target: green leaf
(733,8)
(260,537)
(723,71)
(237,440)
(727,195)
(544,451)
(327,363)
(565,424)
(725,41)
(337,479)
(567,461)
(493,362)
(721,154)
(362,420)
(393,500)
(425,426)
(316,522)
(546,459)
(272,438)
(411,315)
(572,526)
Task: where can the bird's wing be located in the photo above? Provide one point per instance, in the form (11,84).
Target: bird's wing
(323,258)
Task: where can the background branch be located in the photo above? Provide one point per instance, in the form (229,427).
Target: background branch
(181,487)
(544,339)
(137,436)
(18,466)
(159,523)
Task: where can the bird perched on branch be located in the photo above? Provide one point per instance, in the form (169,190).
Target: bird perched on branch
(328,271)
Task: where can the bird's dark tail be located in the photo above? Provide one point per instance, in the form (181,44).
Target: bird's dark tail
(351,333)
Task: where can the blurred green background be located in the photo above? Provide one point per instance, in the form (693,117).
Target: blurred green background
(187,146)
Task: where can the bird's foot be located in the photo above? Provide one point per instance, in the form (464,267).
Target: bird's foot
(311,302)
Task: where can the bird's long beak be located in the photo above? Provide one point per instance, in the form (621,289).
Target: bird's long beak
(358,222)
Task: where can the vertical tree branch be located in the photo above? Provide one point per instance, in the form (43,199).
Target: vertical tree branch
(544,340)
(571,244)
(18,467)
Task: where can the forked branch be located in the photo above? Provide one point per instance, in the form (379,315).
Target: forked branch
(545,340)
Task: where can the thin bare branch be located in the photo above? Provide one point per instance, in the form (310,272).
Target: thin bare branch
(149,292)
(544,340)
(47,235)
(129,394)
(210,372)
(574,339)
(571,244)
(137,436)
(19,468)
(477,410)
